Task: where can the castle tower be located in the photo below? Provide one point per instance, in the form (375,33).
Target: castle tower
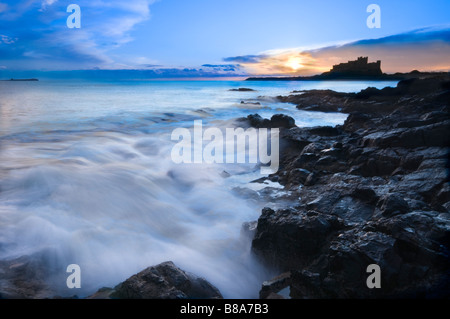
(358,67)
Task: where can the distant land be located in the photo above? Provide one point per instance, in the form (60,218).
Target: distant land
(21,80)
(359,69)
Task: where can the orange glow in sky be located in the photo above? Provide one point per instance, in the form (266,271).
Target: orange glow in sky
(403,57)
(294,63)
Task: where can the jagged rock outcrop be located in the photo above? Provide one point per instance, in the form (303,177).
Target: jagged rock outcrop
(372,191)
(163,281)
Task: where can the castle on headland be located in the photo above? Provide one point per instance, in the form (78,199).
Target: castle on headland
(358,67)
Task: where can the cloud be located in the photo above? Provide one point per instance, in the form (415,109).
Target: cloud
(426,49)
(245,58)
(101,74)
(6,39)
(220,65)
(40,37)
(46,3)
(223,67)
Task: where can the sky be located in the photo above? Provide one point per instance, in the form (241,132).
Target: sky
(218,37)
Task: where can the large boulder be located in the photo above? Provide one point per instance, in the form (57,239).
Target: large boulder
(276,121)
(282,121)
(241,90)
(163,281)
(287,238)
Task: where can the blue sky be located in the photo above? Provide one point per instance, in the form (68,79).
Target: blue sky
(283,36)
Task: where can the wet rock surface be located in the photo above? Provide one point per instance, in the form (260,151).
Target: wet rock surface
(242,90)
(372,191)
(24,278)
(163,281)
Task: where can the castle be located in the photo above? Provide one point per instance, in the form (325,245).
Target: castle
(357,67)
(352,70)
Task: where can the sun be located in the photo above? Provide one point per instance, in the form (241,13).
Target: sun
(294,63)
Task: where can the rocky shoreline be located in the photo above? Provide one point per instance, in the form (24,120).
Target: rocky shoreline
(372,191)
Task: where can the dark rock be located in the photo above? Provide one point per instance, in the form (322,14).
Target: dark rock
(242,90)
(25,278)
(317,100)
(410,123)
(436,134)
(164,281)
(311,180)
(365,194)
(443,195)
(324,131)
(274,285)
(306,284)
(282,121)
(257,121)
(434,163)
(325,202)
(306,161)
(356,121)
(418,228)
(286,238)
(392,204)
(352,211)
(405,265)
(372,191)
(384,139)
(425,182)
(349,256)
(338,145)
(346,262)
(428,135)
(411,162)
(298,175)
(251,103)
(311,148)
(374,166)
(435,117)
(330,164)
(276,121)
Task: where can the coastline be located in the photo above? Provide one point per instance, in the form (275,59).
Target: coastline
(373,190)
(353,77)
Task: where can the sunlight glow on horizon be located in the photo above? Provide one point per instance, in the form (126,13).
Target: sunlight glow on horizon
(295,63)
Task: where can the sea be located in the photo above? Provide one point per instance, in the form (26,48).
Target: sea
(87,178)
